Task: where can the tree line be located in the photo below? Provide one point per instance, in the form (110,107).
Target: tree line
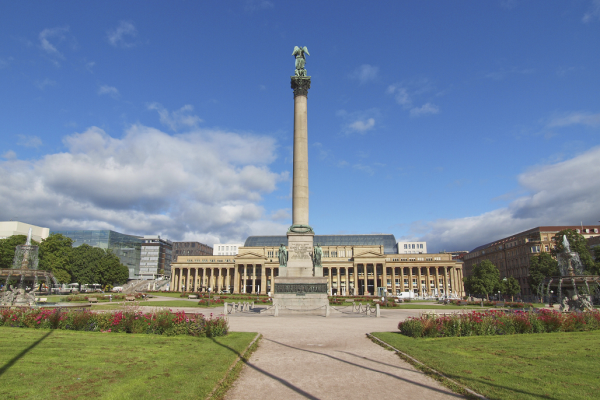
(83,264)
(485,279)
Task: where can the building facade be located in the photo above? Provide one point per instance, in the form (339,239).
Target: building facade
(191,249)
(229,249)
(156,257)
(127,247)
(10,228)
(512,254)
(412,247)
(351,269)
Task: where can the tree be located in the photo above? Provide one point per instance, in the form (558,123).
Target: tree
(95,265)
(577,243)
(484,280)
(55,256)
(7,249)
(541,266)
(510,287)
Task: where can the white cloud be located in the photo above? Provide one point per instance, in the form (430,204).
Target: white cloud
(361,126)
(176,119)
(575,118)
(253,5)
(427,108)
(9,155)
(203,184)
(47,36)
(110,90)
(498,75)
(364,168)
(121,35)
(358,121)
(29,141)
(593,13)
(46,82)
(364,73)
(401,95)
(563,193)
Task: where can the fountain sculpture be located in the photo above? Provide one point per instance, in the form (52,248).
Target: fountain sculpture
(25,271)
(572,287)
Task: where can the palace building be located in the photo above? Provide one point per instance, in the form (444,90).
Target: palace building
(354,265)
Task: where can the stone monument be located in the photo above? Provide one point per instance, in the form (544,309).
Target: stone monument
(300,285)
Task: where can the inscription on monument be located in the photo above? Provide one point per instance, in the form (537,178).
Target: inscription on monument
(299,251)
(300,288)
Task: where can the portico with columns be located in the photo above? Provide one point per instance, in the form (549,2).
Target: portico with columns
(350,271)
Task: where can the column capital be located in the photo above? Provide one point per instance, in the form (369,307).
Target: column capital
(300,84)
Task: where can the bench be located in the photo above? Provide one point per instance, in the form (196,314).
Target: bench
(500,304)
(41,300)
(216,297)
(192,296)
(349,300)
(463,303)
(92,299)
(130,298)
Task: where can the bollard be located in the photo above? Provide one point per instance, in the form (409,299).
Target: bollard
(327,311)
(377,313)
(225,308)
(276,314)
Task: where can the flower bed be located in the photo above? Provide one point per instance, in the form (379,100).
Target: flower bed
(486,303)
(130,321)
(99,296)
(498,323)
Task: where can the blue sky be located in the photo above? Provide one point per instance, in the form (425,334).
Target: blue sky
(452,122)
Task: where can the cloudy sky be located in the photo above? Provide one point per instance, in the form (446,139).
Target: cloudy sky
(452,122)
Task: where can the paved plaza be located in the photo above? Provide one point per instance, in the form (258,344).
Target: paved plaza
(314,357)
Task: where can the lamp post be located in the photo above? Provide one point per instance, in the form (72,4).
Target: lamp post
(209,295)
(498,295)
(550,299)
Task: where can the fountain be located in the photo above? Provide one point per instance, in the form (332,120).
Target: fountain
(25,271)
(571,282)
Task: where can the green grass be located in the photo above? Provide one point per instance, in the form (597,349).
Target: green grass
(532,366)
(42,364)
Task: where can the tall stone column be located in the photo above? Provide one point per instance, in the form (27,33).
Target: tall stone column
(300,185)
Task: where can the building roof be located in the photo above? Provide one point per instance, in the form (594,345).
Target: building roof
(387,240)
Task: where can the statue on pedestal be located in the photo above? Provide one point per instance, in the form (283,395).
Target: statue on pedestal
(283,256)
(300,60)
(317,255)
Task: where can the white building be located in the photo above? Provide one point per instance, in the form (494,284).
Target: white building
(10,228)
(412,247)
(229,249)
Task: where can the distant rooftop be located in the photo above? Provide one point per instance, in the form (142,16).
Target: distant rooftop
(387,240)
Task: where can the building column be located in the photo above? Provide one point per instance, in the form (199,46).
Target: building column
(330,281)
(384,276)
(410,280)
(172,285)
(437,280)
(263,279)
(253,278)
(347,293)
(461,285)
(394,289)
(187,280)
(445,281)
(339,281)
(244,277)
(428,279)
(419,281)
(195,284)
(236,279)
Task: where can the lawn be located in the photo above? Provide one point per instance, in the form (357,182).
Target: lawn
(53,364)
(530,366)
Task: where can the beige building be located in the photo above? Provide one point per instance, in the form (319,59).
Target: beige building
(512,254)
(351,269)
(10,228)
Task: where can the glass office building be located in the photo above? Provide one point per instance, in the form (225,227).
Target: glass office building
(127,247)
(387,240)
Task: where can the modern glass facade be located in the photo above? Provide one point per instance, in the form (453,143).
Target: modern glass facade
(126,247)
(387,240)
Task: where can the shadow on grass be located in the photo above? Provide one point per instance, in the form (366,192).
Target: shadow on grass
(262,371)
(16,358)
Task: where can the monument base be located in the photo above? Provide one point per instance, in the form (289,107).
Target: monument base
(306,295)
